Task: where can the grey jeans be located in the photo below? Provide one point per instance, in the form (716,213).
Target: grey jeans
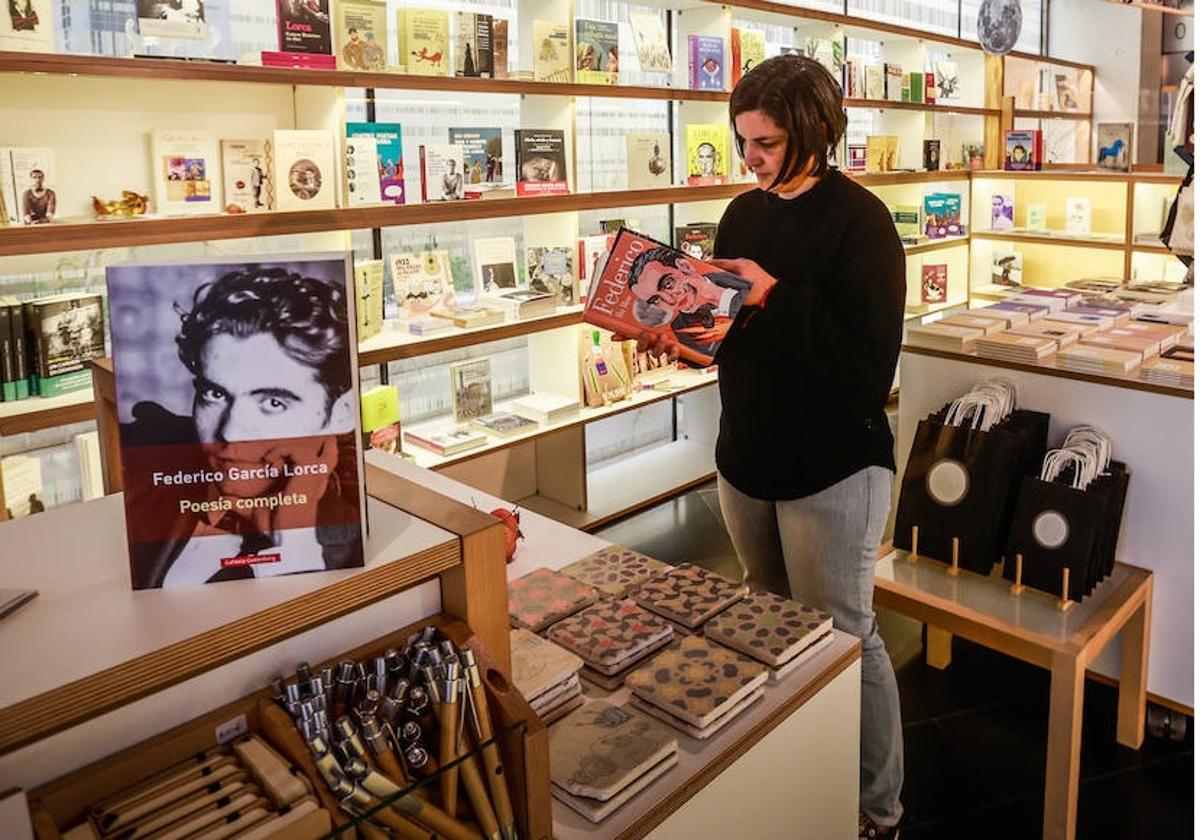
(825,546)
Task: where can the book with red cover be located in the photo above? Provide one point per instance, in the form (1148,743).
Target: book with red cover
(646,286)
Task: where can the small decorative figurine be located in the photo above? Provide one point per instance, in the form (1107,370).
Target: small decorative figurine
(128,205)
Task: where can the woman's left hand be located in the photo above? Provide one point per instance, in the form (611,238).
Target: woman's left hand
(761,282)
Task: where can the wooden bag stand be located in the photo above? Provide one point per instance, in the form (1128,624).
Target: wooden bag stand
(1064,600)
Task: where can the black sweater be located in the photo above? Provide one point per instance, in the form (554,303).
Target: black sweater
(804,379)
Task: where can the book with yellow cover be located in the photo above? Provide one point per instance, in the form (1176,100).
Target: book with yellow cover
(749,49)
(368,297)
(551,51)
(707,154)
(424,36)
(883,152)
(361,35)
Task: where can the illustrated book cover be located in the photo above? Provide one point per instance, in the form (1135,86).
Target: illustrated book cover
(541,161)
(240,445)
(697,239)
(302,169)
(360,175)
(646,286)
(648,160)
(185,172)
(471,389)
(27,26)
(422,282)
(707,153)
(552,51)
(706,62)
(483,154)
(473,55)
(28,180)
(362,35)
(550,270)
(62,334)
(934,282)
(244,167)
(749,49)
(163,18)
(1114,146)
(596,58)
(1023,150)
(368,297)
(424,37)
(650,40)
(389,156)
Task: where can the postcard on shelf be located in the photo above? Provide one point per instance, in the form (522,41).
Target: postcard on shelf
(424,38)
(446,441)
(1006,268)
(931,155)
(706,62)
(504,424)
(388,158)
(471,389)
(483,156)
(362,36)
(368,297)
(1079,216)
(1114,146)
(164,19)
(442,172)
(473,42)
(1035,217)
(381,418)
(650,40)
(695,309)
(550,271)
(361,172)
(873,78)
(422,282)
(648,158)
(552,51)
(1002,211)
(707,153)
(1022,150)
(28,26)
(1066,93)
(244,167)
(495,264)
(304,27)
(934,283)
(541,161)
(883,152)
(596,59)
(697,240)
(748,48)
(829,53)
(215,491)
(945,74)
(185,172)
(302,170)
(28,179)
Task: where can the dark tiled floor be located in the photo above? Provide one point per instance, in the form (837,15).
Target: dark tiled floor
(975,733)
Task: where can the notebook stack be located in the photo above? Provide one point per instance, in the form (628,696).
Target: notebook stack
(1053,299)
(1032,312)
(546,675)
(973,321)
(1118,314)
(1016,348)
(1179,374)
(615,571)
(601,756)
(542,597)
(1007,317)
(1168,335)
(1064,334)
(778,632)
(697,686)
(1118,339)
(1102,360)
(612,637)
(1086,323)
(687,596)
(939,336)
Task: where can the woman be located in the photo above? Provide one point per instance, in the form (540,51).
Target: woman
(805,453)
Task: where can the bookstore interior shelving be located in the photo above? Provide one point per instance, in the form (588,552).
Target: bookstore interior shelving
(76,96)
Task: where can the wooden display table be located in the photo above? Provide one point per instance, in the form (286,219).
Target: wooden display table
(1033,628)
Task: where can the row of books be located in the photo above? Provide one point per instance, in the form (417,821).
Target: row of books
(881,153)
(524,414)
(45,344)
(1077,215)
(939,216)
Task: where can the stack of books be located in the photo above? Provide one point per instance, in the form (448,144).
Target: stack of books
(544,407)
(612,637)
(603,755)
(1101,360)
(1064,334)
(1119,339)
(1016,348)
(546,675)
(780,633)
(447,440)
(1085,321)
(989,325)
(939,336)
(504,424)
(1179,374)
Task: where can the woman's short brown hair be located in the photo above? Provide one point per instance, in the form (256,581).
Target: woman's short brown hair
(804,99)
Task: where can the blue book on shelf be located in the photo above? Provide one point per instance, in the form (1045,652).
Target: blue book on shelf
(706,62)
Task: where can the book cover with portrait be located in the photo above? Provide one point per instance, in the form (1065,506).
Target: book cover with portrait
(302,170)
(236,394)
(648,287)
(541,161)
(362,35)
(304,27)
(171,19)
(27,26)
(186,180)
(596,56)
(707,153)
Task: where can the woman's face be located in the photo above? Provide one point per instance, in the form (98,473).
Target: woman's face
(764,145)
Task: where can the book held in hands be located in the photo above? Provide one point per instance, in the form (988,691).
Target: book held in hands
(648,287)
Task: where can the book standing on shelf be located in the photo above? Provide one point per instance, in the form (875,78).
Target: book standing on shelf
(856,157)
(650,40)
(1035,217)
(552,51)
(648,160)
(706,62)
(368,297)
(362,35)
(873,77)
(894,83)
(697,240)
(749,49)
(381,418)
(907,218)
(931,155)
(646,286)
(495,264)
(1023,150)
(1002,211)
(1114,146)
(474,56)
(549,270)
(499,48)
(591,249)
(28,26)
(62,334)
(304,30)
(1079,216)
(161,19)
(471,389)
(388,161)
(185,172)
(596,60)
(19,387)
(422,282)
(883,152)
(244,166)
(442,178)
(28,178)
(361,172)
(829,53)
(935,283)
(424,37)
(483,156)
(541,162)
(945,74)
(302,170)
(707,154)
(973,155)
(218,487)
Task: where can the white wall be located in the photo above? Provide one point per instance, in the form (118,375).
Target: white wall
(1108,36)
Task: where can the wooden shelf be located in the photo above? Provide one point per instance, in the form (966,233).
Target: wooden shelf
(1155,7)
(1045,59)
(89,235)
(1033,239)
(937,245)
(882,179)
(184,70)
(1073,175)
(1149,248)
(886,104)
(37,413)
(687,380)
(392,345)
(1049,368)
(1034,114)
(89,644)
